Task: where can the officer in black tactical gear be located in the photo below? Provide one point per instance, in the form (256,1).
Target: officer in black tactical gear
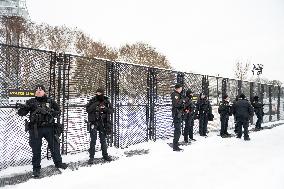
(243,112)
(99,110)
(225,111)
(258,109)
(189,110)
(43,111)
(204,114)
(177,112)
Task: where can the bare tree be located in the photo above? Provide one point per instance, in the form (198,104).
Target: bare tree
(275,82)
(86,46)
(242,70)
(142,53)
(59,38)
(35,36)
(12,29)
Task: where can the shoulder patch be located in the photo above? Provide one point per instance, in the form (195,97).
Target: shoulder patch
(176,97)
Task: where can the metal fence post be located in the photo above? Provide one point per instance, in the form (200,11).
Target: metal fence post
(224,86)
(239,87)
(278,101)
(270,102)
(251,92)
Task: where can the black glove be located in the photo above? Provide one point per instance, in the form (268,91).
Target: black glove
(196,116)
(108,128)
(23,109)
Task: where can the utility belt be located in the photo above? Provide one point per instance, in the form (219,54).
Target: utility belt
(35,126)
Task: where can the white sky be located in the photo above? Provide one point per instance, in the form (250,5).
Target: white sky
(204,36)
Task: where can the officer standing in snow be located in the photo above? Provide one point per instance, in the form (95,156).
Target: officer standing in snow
(243,112)
(189,109)
(99,110)
(204,114)
(225,111)
(177,112)
(43,111)
(258,109)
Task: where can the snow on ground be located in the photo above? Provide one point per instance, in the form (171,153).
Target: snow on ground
(211,162)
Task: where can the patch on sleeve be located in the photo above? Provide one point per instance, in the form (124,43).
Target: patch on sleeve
(176,97)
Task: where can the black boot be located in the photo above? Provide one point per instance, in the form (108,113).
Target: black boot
(61,166)
(177,149)
(107,158)
(91,161)
(192,139)
(223,136)
(247,138)
(36,173)
(228,134)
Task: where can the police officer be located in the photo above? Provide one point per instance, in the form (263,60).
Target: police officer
(177,111)
(204,113)
(42,124)
(243,111)
(99,110)
(258,109)
(189,109)
(225,112)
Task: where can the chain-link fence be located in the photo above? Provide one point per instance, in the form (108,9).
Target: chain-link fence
(141,97)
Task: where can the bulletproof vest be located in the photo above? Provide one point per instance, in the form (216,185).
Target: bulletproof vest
(42,114)
(204,106)
(100,114)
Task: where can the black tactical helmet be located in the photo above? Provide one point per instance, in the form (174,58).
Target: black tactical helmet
(242,96)
(225,96)
(188,92)
(39,86)
(178,85)
(100,90)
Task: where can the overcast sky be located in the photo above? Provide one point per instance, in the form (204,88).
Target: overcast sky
(204,36)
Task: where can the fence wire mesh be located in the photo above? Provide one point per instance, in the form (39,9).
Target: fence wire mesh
(141,97)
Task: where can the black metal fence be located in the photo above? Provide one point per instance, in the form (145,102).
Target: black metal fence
(140,95)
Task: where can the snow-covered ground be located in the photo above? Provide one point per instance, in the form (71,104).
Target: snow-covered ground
(210,162)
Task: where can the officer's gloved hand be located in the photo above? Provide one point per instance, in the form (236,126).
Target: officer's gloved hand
(196,116)
(104,109)
(94,107)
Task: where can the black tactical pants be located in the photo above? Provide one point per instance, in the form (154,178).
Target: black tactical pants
(224,125)
(188,128)
(203,122)
(102,135)
(258,122)
(177,131)
(243,123)
(36,143)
